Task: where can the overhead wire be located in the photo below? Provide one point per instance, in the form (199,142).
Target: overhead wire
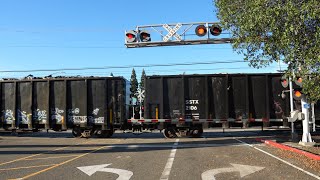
(128,66)
(96,47)
(148,71)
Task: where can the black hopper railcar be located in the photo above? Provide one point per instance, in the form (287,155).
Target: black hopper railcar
(186,104)
(87,105)
(178,105)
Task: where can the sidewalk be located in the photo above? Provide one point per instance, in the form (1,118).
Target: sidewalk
(287,140)
(286,148)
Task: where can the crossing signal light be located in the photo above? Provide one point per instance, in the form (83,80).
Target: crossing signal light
(201,30)
(215,30)
(297,91)
(298,81)
(297,95)
(144,36)
(284,82)
(131,36)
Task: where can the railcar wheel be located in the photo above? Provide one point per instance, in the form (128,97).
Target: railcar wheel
(197,132)
(169,133)
(107,133)
(103,133)
(76,132)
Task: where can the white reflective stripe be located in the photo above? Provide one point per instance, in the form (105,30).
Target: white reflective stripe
(276,120)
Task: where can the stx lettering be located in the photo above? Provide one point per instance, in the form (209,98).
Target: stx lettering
(192,101)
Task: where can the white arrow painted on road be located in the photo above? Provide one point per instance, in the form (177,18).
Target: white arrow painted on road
(123,174)
(243,169)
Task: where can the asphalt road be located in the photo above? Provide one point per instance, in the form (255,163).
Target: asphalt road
(217,155)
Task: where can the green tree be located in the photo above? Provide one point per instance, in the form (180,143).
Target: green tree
(266,31)
(111,74)
(133,83)
(142,80)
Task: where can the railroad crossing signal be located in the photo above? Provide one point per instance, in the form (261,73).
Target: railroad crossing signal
(144,36)
(215,30)
(284,82)
(131,36)
(201,30)
(297,90)
(176,34)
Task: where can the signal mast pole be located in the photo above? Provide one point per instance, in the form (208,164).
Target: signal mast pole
(291,107)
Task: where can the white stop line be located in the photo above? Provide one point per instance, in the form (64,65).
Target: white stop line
(166,172)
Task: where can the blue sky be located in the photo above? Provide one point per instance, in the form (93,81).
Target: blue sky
(38,34)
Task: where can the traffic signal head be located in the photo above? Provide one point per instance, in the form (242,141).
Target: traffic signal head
(131,36)
(215,30)
(201,30)
(297,92)
(144,36)
(284,82)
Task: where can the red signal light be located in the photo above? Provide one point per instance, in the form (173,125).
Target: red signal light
(297,95)
(131,36)
(215,30)
(144,36)
(201,30)
(299,81)
(284,82)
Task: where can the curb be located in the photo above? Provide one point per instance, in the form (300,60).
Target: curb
(288,148)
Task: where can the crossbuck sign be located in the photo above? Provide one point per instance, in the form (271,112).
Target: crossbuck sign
(172,32)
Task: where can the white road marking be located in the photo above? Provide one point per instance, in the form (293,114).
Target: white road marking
(166,172)
(300,169)
(169,146)
(123,174)
(243,169)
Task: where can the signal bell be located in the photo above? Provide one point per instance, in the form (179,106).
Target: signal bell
(215,30)
(131,36)
(201,30)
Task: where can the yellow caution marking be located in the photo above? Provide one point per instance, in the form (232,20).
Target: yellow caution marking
(31,156)
(65,162)
(27,157)
(157,113)
(49,157)
(27,167)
